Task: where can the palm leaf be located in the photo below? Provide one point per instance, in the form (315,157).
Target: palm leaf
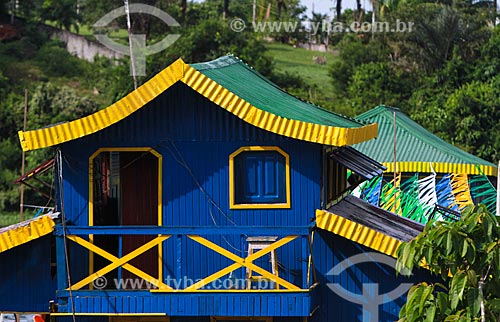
(484,192)
(461,190)
(370,190)
(445,195)
(427,190)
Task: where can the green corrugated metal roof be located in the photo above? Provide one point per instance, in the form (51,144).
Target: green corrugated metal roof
(414,143)
(238,77)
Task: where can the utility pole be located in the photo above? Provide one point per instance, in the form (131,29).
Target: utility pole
(130,43)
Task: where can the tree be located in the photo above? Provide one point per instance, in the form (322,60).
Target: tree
(466,255)
(183,7)
(62,12)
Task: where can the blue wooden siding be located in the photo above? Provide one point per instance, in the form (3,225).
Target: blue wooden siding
(328,251)
(188,130)
(26,283)
(194,304)
(195,139)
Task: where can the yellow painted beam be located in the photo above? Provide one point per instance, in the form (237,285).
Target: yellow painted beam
(441,167)
(116,262)
(246,262)
(231,291)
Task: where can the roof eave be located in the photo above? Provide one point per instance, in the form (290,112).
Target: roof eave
(180,71)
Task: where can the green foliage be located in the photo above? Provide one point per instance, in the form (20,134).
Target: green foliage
(53,104)
(353,53)
(466,254)
(444,73)
(55,60)
(379,83)
(465,117)
(211,39)
(62,12)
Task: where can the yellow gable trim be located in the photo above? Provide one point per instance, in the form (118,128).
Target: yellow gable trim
(21,234)
(442,167)
(180,71)
(114,113)
(357,233)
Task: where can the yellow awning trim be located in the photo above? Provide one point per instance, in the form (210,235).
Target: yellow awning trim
(442,167)
(357,233)
(24,232)
(180,71)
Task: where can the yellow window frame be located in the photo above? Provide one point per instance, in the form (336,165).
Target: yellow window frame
(234,205)
(91,198)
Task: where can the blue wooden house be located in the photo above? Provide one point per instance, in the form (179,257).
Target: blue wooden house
(207,194)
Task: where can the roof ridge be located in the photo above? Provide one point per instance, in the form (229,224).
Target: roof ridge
(220,62)
(237,60)
(419,133)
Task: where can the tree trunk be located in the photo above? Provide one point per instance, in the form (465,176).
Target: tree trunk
(483,314)
(359,9)
(183,6)
(281,5)
(225,12)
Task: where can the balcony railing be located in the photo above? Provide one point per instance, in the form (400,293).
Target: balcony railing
(293,243)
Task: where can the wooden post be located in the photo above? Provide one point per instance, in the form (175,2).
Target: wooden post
(395,163)
(498,190)
(21,202)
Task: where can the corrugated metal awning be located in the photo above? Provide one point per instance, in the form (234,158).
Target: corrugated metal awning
(356,161)
(368,225)
(23,232)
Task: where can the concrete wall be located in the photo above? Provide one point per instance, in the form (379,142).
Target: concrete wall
(79,45)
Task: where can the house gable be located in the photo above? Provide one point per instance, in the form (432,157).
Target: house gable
(292,117)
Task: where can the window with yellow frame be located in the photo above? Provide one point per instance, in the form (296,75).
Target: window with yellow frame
(259,178)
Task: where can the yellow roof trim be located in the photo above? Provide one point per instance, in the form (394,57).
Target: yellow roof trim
(180,71)
(357,233)
(442,167)
(329,135)
(24,232)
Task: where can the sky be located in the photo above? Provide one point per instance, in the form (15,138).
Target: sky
(328,6)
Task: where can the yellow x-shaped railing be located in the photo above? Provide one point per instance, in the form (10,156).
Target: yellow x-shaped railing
(242,262)
(117,262)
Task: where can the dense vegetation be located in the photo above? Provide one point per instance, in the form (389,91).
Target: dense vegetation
(466,255)
(445,73)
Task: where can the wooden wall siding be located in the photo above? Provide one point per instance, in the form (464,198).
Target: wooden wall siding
(336,180)
(186,128)
(216,304)
(26,283)
(328,251)
(81,318)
